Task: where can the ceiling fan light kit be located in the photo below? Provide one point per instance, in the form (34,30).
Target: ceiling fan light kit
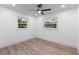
(39,11)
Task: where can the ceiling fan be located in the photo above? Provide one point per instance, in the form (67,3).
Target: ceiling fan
(40,10)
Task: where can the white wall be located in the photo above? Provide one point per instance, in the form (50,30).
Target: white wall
(9,33)
(78,30)
(66,33)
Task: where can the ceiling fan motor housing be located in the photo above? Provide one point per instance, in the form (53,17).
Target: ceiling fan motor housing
(39,6)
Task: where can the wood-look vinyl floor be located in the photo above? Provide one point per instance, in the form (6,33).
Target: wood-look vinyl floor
(38,47)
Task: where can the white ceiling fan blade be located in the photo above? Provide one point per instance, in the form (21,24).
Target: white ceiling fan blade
(32,10)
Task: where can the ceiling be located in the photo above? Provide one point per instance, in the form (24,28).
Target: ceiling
(25,8)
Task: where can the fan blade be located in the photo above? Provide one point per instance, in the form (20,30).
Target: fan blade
(45,9)
(42,13)
(32,10)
